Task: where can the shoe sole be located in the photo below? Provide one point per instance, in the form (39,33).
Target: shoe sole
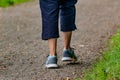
(52,66)
(68,59)
(64,59)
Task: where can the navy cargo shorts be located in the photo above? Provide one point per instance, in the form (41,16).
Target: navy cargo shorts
(51,10)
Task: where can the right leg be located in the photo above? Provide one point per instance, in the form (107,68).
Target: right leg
(67,39)
(67,18)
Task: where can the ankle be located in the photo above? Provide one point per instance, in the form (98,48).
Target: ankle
(67,48)
(53,54)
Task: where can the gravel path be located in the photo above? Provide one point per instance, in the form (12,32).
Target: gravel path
(23,53)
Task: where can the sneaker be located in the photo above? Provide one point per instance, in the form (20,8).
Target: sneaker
(69,55)
(51,62)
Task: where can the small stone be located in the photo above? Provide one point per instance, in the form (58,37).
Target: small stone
(82,45)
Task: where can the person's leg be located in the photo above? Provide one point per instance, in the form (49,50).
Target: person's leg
(67,20)
(67,39)
(50,14)
(50,31)
(67,15)
(68,52)
(52,46)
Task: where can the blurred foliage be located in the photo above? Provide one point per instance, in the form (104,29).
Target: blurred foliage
(6,3)
(108,68)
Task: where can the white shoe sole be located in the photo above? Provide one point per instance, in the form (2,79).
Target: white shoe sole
(66,59)
(51,66)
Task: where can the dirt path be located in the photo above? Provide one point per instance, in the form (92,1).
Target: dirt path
(23,53)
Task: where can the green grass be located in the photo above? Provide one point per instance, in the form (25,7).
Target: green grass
(108,68)
(6,3)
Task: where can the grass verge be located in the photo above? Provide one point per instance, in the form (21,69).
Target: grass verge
(6,3)
(108,68)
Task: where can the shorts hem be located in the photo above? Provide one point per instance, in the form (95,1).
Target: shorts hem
(49,37)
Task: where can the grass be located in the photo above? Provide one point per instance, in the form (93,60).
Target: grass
(6,3)
(108,68)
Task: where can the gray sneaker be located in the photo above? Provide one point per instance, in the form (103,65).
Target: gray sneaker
(51,62)
(69,55)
